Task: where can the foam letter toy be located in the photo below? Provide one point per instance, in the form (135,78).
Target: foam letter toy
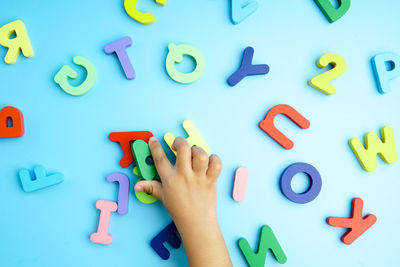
(240,184)
(332,13)
(123,191)
(194,138)
(119,48)
(321,82)
(267,241)
(385,148)
(16,129)
(143,196)
(39,180)
(21,41)
(240,11)
(356,224)
(141,151)
(144,18)
(66,72)
(125,139)
(102,236)
(267,125)
(315,184)
(175,55)
(170,235)
(382,74)
(247,68)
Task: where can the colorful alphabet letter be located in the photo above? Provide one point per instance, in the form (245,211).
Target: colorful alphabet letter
(332,13)
(321,82)
(39,180)
(267,125)
(16,129)
(102,236)
(315,185)
(240,11)
(144,18)
(267,241)
(125,139)
(170,235)
(385,148)
(66,72)
(175,55)
(123,191)
(194,138)
(141,152)
(119,48)
(247,68)
(240,184)
(357,224)
(15,45)
(143,196)
(383,74)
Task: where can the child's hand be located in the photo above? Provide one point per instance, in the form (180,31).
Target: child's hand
(188,189)
(188,192)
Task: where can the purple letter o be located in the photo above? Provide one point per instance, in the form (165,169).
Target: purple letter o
(315,184)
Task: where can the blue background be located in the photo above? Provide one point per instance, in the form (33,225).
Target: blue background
(70,134)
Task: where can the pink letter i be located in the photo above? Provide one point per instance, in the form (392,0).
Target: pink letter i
(102,236)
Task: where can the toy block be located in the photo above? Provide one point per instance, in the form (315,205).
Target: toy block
(66,73)
(267,241)
(20,43)
(240,10)
(247,68)
(144,18)
(267,125)
(39,180)
(332,13)
(385,148)
(315,183)
(322,81)
(240,184)
(383,74)
(142,154)
(119,48)
(194,138)
(140,195)
(175,56)
(123,191)
(106,208)
(125,139)
(16,128)
(357,224)
(170,235)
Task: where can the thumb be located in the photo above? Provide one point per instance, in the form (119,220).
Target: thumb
(153,188)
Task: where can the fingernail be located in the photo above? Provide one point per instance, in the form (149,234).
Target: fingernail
(138,187)
(152,139)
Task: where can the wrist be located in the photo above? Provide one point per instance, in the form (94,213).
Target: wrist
(198,229)
(196,222)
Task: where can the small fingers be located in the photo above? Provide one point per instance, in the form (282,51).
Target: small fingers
(153,188)
(199,160)
(214,167)
(183,153)
(161,161)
